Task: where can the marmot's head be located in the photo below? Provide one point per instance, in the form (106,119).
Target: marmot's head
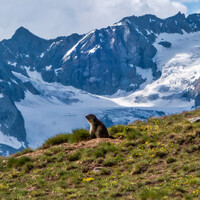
(91,118)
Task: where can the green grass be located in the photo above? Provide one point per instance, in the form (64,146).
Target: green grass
(74,156)
(18,162)
(157,159)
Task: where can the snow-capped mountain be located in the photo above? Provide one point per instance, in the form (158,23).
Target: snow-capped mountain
(137,68)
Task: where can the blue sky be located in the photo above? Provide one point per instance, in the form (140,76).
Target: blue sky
(193,6)
(53,18)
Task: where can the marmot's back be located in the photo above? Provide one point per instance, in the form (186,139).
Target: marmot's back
(97,128)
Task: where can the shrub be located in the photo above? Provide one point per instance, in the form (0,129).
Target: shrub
(80,135)
(18,162)
(58,139)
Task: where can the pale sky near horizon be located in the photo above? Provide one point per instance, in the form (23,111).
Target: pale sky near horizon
(50,18)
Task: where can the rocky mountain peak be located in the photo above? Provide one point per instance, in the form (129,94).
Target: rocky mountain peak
(179,15)
(22,33)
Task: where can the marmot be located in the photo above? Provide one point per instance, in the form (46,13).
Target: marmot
(97,128)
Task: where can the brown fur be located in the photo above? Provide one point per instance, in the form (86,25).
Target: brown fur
(97,128)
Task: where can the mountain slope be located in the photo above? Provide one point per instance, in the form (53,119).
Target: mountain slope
(156,159)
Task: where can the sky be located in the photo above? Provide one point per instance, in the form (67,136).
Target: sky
(52,18)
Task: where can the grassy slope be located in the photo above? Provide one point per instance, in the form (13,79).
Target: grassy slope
(157,159)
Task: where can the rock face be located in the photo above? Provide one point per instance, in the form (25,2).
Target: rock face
(197,94)
(100,62)
(12,131)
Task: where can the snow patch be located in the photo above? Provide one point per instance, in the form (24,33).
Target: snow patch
(67,55)
(146,74)
(133,85)
(92,79)
(41,55)
(93,50)
(118,24)
(112,42)
(14,81)
(57,71)
(148,32)
(12,63)
(138,31)
(23,78)
(48,68)
(131,65)
(10,141)
(180,44)
(126,33)
(152,20)
(54,44)
(34,75)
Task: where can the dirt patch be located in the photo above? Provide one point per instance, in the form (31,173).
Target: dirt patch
(73,147)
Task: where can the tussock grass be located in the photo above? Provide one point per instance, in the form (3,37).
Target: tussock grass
(76,136)
(79,135)
(58,139)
